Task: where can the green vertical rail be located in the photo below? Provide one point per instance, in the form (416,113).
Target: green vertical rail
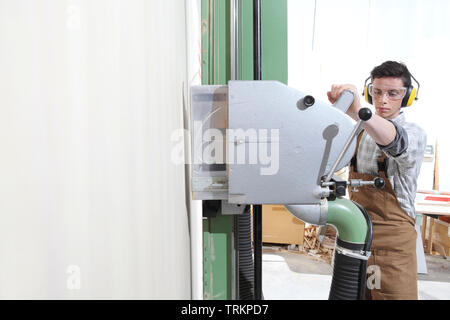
(217,251)
(274,31)
(245,40)
(217,232)
(215,42)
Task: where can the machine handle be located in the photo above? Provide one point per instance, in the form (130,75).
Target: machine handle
(364,114)
(344,101)
(379,183)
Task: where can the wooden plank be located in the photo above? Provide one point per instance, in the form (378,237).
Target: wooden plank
(434,210)
(436,168)
(308,243)
(434,204)
(424,228)
(430,240)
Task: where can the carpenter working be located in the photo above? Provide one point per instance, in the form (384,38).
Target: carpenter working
(393,149)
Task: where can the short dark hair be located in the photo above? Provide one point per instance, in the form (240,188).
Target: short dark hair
(392,69)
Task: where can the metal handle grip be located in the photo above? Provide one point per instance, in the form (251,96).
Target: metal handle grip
(364,114)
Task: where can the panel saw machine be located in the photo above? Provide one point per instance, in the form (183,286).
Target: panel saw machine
(262,142)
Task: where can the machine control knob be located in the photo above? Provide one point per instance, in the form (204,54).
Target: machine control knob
(340,189)
(309,101)
(365,114)
(379,183)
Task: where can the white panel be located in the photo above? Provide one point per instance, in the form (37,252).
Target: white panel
(91,204)
(193,30)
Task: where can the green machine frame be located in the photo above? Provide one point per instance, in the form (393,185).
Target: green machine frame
(218,252)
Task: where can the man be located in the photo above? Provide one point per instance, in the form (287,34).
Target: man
(391,148)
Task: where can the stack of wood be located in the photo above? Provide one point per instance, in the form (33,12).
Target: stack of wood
(314,247)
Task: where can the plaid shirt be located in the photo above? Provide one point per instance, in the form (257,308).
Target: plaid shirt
(404,159)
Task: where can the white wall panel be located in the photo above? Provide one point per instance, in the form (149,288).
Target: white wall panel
(90,93)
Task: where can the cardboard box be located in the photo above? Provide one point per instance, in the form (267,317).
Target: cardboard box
(441,236)
(280,226)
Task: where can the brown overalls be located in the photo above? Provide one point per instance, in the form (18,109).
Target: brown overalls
(394,237)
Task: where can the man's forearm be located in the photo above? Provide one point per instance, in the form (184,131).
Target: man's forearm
(381,130)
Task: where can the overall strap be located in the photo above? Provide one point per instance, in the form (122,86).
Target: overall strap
(382,164)
(353,163)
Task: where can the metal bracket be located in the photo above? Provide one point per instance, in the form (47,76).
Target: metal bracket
(361,255)
(231,208)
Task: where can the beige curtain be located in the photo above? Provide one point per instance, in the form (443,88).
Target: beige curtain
(91,204)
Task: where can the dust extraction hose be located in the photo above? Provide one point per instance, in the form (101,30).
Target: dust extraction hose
(353,244)
(246,280)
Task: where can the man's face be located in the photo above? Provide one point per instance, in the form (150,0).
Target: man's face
(387,96)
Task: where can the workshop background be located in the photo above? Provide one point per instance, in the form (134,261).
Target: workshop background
(92,205)
(362,34)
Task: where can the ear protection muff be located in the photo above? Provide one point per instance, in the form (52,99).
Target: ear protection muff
(366,94)
(412,94)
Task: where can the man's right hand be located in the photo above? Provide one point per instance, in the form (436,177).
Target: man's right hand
(381,130)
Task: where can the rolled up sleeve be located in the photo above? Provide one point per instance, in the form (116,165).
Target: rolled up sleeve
(407,148)
(400,144)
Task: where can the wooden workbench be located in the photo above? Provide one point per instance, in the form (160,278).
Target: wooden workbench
(429,209)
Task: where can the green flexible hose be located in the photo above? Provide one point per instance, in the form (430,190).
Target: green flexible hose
(348,220)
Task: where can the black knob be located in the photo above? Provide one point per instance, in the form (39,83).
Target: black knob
(365,114)
(309,101)
(379,183)
(340,190)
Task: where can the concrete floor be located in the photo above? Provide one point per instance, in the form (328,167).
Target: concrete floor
(290,275)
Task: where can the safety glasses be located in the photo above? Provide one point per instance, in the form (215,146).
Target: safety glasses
(392,93)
